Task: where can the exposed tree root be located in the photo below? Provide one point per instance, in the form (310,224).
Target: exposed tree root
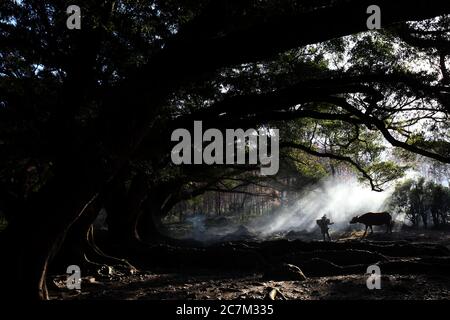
(84,252)
(313,258)
(100,257)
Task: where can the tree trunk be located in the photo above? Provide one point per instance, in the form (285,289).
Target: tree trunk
(80,249)
(160,200)
(31,241)
(124,207)
(35,234)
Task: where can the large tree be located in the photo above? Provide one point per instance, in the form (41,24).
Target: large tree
(81,107)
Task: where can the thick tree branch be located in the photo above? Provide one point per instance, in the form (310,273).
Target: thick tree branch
(199,51)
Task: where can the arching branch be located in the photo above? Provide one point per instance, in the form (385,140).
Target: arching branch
(371,122)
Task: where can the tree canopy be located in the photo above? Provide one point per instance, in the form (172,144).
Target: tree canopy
(84,110)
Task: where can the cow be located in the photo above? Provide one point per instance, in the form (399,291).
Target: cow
(374,219)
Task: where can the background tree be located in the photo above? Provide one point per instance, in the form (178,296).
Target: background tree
(418,200)
(84,112)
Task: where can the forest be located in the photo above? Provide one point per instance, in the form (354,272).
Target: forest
(340,159)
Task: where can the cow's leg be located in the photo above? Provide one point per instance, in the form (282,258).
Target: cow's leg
(365,232)
(371,229)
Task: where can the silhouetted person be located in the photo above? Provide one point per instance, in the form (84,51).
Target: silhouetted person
(323,223)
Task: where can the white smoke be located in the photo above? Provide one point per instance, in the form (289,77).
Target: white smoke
(198,226)
(339,200)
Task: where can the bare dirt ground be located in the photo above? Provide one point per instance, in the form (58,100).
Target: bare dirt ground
(237,284)
(148,286)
